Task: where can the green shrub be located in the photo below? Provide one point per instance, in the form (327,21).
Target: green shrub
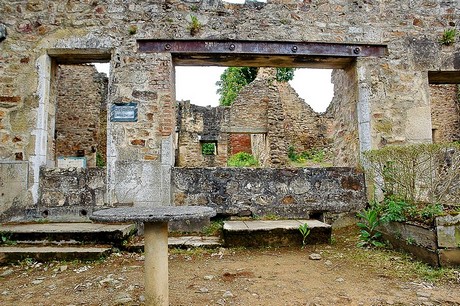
(208,148)
(369,236)
(312,155)
(242,159)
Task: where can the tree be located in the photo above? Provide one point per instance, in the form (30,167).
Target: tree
(233,79)
(231,82)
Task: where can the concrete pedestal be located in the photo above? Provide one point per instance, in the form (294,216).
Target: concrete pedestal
(156,263)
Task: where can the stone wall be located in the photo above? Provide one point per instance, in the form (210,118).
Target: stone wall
(81,104)
(72,191)
(292,193)
(14,183)
(392,93)
(197,125)
(343,110)
(445,112)
(304,128)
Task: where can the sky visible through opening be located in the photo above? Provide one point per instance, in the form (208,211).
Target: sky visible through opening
(198,84)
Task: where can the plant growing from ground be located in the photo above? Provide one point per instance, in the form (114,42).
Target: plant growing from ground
(313,155)
(195,25)
(369,236)
(448,37)
(5,238)
(208,148)
(305,231)
(394,210)
(242,159)
(214,228)
(100,163)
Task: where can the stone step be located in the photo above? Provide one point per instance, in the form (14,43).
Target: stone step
(183,242)
(47,253)
(67,233)
(274,233)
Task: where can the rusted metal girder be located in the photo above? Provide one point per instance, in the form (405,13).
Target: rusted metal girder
(261,48)
(259,54)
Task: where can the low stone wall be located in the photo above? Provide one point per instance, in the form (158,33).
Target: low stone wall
(66,194)
(290,193)
(437,246)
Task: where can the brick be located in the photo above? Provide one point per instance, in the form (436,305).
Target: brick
(13,99)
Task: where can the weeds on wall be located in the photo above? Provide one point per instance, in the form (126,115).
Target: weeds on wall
(448,37)
(132,29)
(242,159)
(195,25)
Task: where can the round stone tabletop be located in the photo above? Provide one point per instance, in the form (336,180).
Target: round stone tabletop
(153,214)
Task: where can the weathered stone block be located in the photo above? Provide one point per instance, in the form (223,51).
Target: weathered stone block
(448,231)
(449,257)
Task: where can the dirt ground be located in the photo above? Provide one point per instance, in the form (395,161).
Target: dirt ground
(345,275)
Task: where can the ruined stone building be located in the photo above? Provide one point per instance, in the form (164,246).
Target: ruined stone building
(266,118)
(395,82)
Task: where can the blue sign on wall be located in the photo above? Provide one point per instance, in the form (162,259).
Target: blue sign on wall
(123,112)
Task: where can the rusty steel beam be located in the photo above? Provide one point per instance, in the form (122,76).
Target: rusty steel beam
(293,49)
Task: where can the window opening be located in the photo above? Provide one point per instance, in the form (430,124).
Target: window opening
(80,135)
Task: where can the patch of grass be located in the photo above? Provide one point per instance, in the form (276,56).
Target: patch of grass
(308,157)
(214,229)
(242,159)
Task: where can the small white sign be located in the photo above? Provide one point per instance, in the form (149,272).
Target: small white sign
(71,162)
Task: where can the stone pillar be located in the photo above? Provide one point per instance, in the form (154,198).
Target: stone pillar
(156,264)
(140,154)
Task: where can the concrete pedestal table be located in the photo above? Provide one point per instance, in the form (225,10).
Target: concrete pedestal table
(156,240)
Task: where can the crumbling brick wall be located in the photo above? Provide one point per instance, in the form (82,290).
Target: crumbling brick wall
(81,115)
(197,125)
(445,112)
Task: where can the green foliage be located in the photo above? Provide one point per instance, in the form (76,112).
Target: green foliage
(305,231)
(449,36)
(195,25)
(233,79)
(242,159)
(312,155)
(284,74)
(394,210)
(369,236)
(214,229)
(100,162)
(5,238)
(430,211)
(208,148)
(424,173)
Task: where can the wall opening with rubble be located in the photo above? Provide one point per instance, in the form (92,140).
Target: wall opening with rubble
(81,115)
(269,120)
